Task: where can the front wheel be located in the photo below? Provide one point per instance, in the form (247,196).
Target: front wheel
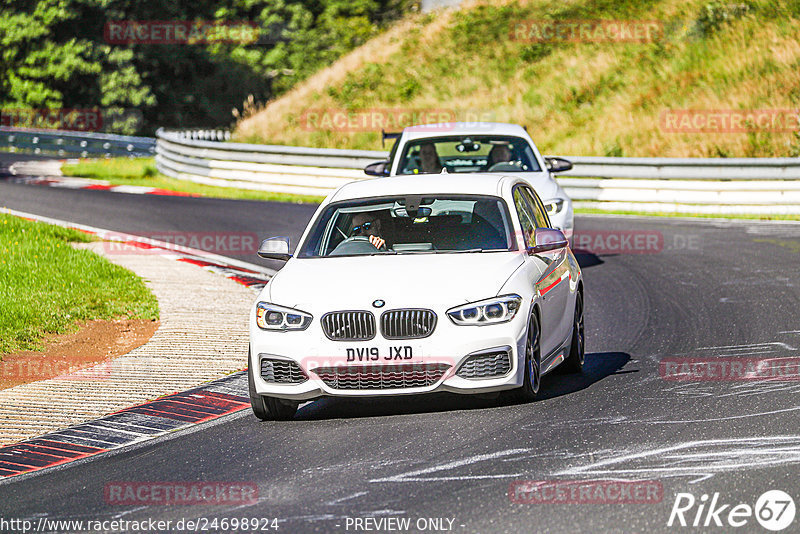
(533,375)
(574,362)
(268,408)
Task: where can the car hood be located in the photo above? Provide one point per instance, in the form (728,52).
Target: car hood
(318,285)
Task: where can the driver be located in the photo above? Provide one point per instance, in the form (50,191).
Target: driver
(367,224)
(499,154)
(429,159)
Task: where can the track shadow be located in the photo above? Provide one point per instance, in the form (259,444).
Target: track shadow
(598,366)
(587,259)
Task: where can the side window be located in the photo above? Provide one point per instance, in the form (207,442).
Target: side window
(539,213)
(526,217)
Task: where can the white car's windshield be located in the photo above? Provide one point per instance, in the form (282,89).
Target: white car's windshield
(474,153)
(411,225)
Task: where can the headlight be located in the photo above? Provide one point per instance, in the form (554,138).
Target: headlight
(554,206)
(484,312)
(274,317)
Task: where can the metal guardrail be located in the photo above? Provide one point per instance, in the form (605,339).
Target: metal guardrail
(696,185)
(74,144)
(190,155)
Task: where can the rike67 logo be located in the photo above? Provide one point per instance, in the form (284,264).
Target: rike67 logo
(774,510)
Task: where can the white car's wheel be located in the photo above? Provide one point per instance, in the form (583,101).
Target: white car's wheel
(574,362)
(533,376)
(280,409)
(269,408)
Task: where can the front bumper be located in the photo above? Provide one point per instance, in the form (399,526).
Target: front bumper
(450,345)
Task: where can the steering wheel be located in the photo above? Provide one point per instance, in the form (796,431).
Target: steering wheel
(357,244)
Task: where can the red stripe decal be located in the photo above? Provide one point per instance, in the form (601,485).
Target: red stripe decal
(551,286)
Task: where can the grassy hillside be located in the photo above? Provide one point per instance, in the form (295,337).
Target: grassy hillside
(578,98)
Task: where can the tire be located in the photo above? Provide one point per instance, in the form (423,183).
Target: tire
(281,409)
(269,408)
(574,362)
(533,376)
(256,400)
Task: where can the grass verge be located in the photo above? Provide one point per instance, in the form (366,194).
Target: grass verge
(47,286)
(143,172)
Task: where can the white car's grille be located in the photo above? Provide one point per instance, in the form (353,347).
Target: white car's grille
(486,365)
(407,324)
(282,371)
(413,375)
(349,325)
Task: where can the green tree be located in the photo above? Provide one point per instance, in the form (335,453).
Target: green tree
(53,54)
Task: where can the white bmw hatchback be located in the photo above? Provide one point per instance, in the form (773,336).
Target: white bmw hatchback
(411,285)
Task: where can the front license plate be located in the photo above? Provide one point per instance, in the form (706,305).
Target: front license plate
(388,353)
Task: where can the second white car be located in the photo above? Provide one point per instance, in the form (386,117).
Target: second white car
(480,147)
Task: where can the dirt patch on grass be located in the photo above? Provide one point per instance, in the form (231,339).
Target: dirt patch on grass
(94,342)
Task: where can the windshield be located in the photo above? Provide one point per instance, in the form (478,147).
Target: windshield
(411,225)
(474,153)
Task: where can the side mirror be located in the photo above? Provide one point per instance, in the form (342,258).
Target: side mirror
(548,239)
(379,168)
(557,164)
(275,248)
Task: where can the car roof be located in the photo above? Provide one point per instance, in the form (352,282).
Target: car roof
(446,129)
(423,184)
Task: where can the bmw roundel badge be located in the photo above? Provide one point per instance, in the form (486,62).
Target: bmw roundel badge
(379,303)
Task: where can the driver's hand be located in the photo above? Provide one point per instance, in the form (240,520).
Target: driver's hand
(377,241)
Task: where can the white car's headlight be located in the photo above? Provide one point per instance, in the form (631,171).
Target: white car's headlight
(484,312)
(554,206)
(274,317)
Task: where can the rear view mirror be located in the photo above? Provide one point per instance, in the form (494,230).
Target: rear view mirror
(468,145)
(379,168)
(275,248)
(557,164)
(548,239)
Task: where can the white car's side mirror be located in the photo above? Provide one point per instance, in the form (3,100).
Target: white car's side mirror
(275,248)
(379,168)
(547,239)
(557,164)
